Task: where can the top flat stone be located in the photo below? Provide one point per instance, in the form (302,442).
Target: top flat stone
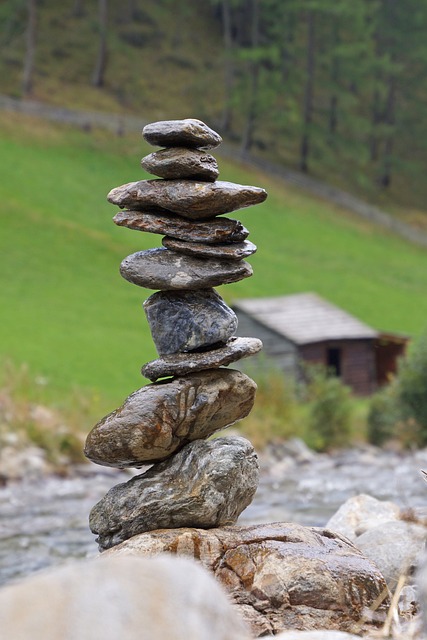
(189,133)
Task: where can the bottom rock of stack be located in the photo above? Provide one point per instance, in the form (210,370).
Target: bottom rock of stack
(206,484)
(282,575)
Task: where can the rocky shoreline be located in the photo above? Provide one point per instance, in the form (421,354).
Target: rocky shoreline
(43,516)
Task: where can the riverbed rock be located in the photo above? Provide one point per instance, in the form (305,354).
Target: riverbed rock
(162,598)
(216,230)
(176,163)
(230,251)
(188,198)
(181,133)
(206,484)
(179,364)
(395,547)
(376,527)
(158,419)
(280,576)
(187,320)
(360,513)
(167,270)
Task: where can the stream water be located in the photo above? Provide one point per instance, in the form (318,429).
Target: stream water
(45,521)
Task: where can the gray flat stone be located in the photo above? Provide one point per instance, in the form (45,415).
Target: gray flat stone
(188,198)
(206,484)
(229,251)
(212,231)
(187,320)
(184,363)
(168,270)
(181,133)
(176,163)
(159,419)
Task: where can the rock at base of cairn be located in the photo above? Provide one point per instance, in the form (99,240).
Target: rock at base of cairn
(206,484)
(282,575)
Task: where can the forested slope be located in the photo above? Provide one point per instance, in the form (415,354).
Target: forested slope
(331,87)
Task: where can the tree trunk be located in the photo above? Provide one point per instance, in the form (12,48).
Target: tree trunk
(389,120)
(30,51)
(228,66)
(78,10)
(248,131)
(333,115)
(335,72)
(131,10)
(376,120)
(98,77)
(308,94)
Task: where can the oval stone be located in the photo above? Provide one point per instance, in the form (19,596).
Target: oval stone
(179,364)
(187,320)
(159,419)
(176,163)
(190,199)
(181,133)
(168,270)
(170,224)
(206,484)
(229,250)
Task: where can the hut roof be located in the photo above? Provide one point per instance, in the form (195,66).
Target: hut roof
(305,318)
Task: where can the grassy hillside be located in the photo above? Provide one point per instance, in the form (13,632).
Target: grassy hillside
(68,314)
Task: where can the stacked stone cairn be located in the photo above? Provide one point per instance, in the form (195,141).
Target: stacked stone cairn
(193,481)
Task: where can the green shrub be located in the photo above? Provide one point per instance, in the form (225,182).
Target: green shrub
(330,409)
(276,414)
(412,388)
(384,416)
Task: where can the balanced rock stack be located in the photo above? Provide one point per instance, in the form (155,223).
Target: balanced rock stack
(194,482)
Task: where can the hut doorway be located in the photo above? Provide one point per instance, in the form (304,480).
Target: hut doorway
(333,360)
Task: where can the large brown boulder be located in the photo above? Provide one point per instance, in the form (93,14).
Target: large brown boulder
(280,576)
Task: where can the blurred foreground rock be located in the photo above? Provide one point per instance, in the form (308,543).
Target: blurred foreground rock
(120,598)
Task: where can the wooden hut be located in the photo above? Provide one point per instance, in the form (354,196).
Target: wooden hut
(305,327)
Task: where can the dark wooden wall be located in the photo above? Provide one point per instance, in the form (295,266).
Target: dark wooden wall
(358,366)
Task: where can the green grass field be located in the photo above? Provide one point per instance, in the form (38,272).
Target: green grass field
(68,314)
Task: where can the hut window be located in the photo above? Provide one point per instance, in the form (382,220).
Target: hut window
(333,360)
